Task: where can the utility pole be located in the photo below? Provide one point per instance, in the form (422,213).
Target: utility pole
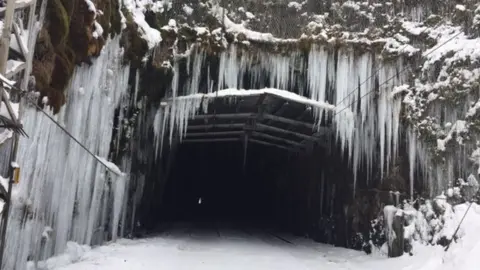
(6,34)
(4,53)
(4,49)
(5,42)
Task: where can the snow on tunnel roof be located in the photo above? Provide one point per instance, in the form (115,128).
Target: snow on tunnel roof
(232,92)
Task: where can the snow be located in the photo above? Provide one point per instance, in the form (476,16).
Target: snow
(6,82)
(187,9)
(231,92)
(111,166)
(459,127)
(189,247)
(91,6)
(460,7)
(151,35)
(232,27)
(13,65)
(4,111)
(158,6)
(451,39)
(5,135)
(98,30)
(389,213)
(297,6)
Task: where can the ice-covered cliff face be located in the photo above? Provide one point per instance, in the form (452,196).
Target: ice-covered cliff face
(388,75)
(65,194)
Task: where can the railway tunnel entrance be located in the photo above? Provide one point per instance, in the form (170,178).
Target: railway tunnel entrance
(258,162)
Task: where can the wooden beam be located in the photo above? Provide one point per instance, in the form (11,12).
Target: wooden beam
(21,45)
(305,112)
(209,126)
(21,5)
(284,131)
(224,116)
(275,138)
(271,144)
(210,140)
(6,35)
(268,116)
(214,134)
(16,70)
(281,108)
(288,121)
(261,99)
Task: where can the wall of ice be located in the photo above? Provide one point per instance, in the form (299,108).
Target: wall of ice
(64,193)
(362,87)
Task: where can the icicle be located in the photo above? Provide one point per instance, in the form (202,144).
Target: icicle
(118,199)
(62,186)
(175,81)
(412,154)
(344,117)
(137,84)
(199,59)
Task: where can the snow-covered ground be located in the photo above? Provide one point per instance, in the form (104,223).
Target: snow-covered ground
(227,247)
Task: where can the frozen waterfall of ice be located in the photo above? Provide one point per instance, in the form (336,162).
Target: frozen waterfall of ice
(62,187)
(347,77)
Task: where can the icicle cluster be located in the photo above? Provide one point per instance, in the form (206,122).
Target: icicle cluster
(461,161)
(366,119)
(62,187)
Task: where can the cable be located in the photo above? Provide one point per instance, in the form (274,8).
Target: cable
(458,227)
(401,71)
(381,66)
(12,87)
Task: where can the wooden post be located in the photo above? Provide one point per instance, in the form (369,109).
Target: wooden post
(6,34)
(394,220)
(5,40)
(6,210)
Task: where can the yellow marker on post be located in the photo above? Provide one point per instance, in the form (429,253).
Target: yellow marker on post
(16,175)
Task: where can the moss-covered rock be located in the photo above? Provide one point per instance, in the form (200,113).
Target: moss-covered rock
(70,36)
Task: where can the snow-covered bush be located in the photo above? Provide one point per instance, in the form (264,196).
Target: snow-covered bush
(428,222)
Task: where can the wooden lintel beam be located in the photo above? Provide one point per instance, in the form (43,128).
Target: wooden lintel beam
(288,121)
(209,126)
(284,131)
(210,140)
(275,138)
(224,116)
(214,134)
(266,116)
(272,145)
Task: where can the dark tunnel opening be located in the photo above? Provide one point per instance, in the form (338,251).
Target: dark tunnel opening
(274,190)
(217,185)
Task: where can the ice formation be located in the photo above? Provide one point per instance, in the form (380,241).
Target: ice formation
(62,187)
(358,92)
